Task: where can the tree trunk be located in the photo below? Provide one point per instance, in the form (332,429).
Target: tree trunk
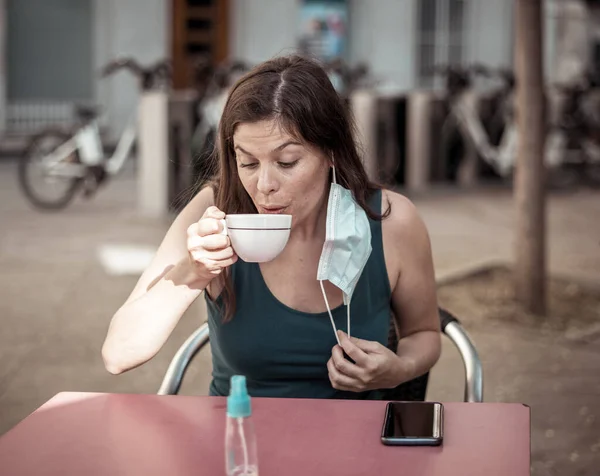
(529,190)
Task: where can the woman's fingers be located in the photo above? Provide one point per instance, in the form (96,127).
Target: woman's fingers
(209,249)
(203,256)
(340,381)
(344,366)
(218,266)
(214,242)
(213,212)
(205,227)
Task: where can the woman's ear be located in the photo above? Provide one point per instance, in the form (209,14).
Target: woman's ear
(332,167)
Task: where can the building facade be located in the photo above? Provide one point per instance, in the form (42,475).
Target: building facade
(51,51)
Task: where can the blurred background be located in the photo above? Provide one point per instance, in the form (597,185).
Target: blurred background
(130,91)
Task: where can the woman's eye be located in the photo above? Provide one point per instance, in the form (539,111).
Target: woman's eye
(288,165)
(250,165)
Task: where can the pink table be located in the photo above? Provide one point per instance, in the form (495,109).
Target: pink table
(114,434)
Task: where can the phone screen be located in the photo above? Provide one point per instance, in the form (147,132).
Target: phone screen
(413,420)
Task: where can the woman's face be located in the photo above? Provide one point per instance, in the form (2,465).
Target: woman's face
(280,174)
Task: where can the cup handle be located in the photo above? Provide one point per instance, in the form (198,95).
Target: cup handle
(224,231)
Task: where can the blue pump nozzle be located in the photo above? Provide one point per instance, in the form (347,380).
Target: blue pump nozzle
(238,402)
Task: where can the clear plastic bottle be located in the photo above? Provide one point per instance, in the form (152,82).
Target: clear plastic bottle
(241,457)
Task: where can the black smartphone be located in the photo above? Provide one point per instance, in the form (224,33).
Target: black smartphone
(413,424)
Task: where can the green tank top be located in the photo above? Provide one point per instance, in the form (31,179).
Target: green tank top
(284,352)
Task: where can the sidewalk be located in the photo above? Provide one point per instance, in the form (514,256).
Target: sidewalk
(57,300)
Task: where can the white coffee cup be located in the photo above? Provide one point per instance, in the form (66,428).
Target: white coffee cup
(257,238)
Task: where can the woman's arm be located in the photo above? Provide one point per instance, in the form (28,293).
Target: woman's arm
(414,299)
(161,296)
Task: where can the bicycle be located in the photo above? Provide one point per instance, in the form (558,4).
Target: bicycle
(493,137)
(579,124)
(498,148)
(74,160)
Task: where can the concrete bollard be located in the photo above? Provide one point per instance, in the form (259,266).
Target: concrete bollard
(153,154)
(419,138)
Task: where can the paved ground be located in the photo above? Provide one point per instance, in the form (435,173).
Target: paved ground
(56,300)
(550,364)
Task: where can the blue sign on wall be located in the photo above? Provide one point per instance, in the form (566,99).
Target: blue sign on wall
(324,27)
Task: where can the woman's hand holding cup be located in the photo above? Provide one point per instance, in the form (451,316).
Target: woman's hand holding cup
(210,250)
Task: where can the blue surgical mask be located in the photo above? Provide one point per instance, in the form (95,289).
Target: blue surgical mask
(347,246)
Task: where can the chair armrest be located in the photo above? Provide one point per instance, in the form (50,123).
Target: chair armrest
(174,376)
(473,368)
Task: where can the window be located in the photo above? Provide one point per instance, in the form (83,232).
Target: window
(441,36)
(49,49)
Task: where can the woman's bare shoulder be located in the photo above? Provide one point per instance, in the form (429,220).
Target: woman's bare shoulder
(403,229)
(401,209)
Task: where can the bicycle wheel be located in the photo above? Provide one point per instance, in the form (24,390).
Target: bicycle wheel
(42,188)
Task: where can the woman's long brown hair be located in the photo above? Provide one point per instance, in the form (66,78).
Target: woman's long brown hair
(295,92)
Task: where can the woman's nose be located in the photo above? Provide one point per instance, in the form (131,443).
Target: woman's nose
(267,182)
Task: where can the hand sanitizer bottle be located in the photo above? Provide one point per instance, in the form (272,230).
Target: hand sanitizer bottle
(241,458)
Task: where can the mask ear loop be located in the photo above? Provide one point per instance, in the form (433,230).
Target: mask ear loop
(323,288)
(330,315)
(321,282)
(345,298)
(333,167)
(348,311)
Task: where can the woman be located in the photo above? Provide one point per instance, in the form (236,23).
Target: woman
(284,135)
